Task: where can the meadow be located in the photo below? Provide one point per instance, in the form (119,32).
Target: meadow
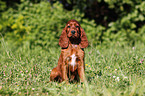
(110,71)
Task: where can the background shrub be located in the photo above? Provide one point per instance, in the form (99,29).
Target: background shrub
(40,23)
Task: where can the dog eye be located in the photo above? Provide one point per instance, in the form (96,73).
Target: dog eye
(77,26)
(68,26)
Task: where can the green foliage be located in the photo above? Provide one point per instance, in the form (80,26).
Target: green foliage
(2,5)
(125,29)
(40,24)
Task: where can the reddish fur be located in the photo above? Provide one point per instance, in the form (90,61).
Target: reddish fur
(68,43)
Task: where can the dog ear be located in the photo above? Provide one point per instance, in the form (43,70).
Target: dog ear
(84,41)
(63,40)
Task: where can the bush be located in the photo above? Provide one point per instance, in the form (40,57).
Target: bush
(126,30)
(40,24)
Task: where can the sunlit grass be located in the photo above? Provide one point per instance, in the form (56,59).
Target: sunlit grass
(109,71)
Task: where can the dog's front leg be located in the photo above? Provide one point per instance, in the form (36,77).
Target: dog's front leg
(81,73)
(64,72)
(81,70)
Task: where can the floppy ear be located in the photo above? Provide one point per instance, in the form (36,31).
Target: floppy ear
(84,41)
(63,40)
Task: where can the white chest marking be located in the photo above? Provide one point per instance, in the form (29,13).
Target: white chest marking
(73,60)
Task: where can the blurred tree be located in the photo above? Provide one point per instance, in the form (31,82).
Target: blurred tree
(102,11)
(40,22)
(9,3)
(94,9)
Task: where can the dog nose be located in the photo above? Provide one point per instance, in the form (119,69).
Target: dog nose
(73,32)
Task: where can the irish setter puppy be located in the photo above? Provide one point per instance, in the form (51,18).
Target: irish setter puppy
(72,37)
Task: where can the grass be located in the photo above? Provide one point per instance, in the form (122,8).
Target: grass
(113,71)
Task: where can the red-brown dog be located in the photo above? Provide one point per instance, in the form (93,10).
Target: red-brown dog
(72,38)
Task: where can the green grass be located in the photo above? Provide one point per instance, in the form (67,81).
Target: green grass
(113,71)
